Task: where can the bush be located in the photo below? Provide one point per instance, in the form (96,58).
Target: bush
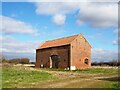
(16,60)
(4,60)
(110,63)
(32,62)
(24,61)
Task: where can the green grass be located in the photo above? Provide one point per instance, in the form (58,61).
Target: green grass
(116,85)
(0,77)
(98,70)
(54,69)
(20,76)
(88,70)
(26,77)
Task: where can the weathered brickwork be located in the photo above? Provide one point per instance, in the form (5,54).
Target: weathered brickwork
(80,50)
(71,53)
(43,56)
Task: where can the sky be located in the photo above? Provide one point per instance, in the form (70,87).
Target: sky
(26,25)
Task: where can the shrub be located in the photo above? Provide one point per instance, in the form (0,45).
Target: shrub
(16,60)
(32,62)
(110,63)
(24,61)
(4,60)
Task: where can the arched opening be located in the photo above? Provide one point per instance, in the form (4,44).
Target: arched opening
(86,61)
(54,61)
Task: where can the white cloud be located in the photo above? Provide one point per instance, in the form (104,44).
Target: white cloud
(56,9)
(115,42)
(10,44)
(11,26)
(101,15)
(59,19)
(53,8)
(12,48)
(104,55)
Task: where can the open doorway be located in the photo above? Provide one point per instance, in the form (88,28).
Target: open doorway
(54,62)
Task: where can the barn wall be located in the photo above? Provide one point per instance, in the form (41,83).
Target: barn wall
(80,49)
(43,56)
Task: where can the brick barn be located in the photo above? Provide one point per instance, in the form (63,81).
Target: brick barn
(73,52)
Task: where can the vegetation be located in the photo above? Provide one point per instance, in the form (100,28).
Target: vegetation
(88,70)
(98,70)
(20,76)
(23,76)
(32,62)
(15,76)
(16,61)
(110,63)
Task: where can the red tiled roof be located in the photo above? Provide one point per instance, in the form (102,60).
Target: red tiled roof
(57,42)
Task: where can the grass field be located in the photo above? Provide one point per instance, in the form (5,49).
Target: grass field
(29,77)
(20,76)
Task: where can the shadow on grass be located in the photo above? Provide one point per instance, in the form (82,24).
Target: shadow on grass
(115,82)
(111,79)
(32,66)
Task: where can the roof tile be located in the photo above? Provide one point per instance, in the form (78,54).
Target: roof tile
(58,42)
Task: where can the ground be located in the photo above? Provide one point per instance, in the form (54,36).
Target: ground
(22,76)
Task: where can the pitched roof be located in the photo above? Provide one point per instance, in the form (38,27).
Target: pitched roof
(58,42)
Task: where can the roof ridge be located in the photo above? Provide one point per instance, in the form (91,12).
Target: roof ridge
(62,38)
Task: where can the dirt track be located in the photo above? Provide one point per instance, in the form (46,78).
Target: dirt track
(75,80)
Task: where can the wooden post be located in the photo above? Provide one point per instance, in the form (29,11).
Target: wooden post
(50,62)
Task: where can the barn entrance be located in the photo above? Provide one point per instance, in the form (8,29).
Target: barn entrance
(54,61)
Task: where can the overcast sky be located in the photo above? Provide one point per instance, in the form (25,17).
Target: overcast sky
(25,25)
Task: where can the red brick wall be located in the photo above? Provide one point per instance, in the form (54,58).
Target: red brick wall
(80,49)
(42,56)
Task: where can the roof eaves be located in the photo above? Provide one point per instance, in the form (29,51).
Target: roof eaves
(54,46)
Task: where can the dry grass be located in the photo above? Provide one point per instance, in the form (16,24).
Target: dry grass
(96,77)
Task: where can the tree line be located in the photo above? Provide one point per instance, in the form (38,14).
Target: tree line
(108,63)
(17,61)
(27,61)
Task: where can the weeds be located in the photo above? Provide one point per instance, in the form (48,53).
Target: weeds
(22,77)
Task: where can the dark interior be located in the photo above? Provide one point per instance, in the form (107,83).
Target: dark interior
(55,61)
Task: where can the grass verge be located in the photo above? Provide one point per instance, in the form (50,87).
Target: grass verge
(88,70)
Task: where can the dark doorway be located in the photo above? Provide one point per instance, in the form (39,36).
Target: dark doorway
(55,61)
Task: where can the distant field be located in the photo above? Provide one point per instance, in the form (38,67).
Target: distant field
(20,76)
